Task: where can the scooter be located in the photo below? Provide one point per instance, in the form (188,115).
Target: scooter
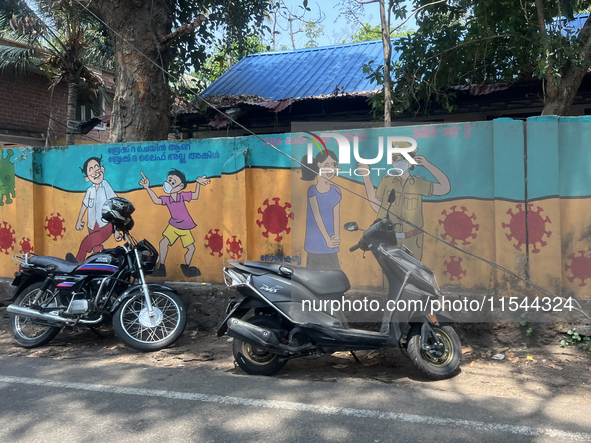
(293,315)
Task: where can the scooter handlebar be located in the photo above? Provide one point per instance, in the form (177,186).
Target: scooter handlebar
(354,247)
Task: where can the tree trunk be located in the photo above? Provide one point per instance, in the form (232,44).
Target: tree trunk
(71,111)
(559,98)
(387,58)
(141,107)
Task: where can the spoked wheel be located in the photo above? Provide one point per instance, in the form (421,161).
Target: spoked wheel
(135,327)
(437,364)
(29,332)
(254,360)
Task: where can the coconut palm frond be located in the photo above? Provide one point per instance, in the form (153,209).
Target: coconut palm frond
(18,59)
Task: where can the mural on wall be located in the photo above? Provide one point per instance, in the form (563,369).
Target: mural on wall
(536,227)
(246,208)
(7,178)
(180,223)
(96,195)
(409,192)
(458,225)
(55,226)
(275,218)
(7,239)
(323,219)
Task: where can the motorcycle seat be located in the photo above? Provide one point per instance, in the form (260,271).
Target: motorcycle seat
(53,264)
(321,281)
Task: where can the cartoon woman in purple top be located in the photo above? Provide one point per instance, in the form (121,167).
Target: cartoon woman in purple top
(323,214)
(180,223)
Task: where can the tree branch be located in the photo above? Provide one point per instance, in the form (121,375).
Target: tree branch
(187,28)
(414,12)
(541,20)
(474,41)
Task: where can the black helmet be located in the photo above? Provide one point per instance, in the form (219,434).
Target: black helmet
(117,211)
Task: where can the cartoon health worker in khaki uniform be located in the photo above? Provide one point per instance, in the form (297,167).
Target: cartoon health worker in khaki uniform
(180,223)
(410,191)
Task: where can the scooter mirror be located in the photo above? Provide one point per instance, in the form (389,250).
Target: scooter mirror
(351,226)
(392,196)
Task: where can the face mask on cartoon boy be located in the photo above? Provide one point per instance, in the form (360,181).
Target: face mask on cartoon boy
(167,187)
(401,165)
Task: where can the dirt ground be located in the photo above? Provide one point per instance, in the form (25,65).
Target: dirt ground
(533,368)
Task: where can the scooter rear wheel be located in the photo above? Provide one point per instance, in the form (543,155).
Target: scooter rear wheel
(435,366)
(252,359)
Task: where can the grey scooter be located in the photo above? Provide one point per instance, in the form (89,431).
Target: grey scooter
(282,328)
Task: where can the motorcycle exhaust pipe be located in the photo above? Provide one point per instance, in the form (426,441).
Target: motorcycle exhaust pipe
(252,334)
(32,313)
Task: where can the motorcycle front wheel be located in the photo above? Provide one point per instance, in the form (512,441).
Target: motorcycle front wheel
(28,332)
(135,327)
(436,365)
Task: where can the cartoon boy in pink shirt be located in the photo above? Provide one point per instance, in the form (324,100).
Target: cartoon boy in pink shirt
(180,223)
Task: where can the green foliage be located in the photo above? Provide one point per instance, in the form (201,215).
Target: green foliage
(238,24)
(461,43)
(575,338)
(367,33)
(312,30)
(216,65)
(523,323)
(60,40)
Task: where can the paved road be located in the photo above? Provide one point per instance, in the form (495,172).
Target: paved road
(69,401)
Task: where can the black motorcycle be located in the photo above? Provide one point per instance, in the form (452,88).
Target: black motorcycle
(293,315)
(53,293)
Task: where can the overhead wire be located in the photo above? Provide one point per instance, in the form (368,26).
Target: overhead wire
(266,143)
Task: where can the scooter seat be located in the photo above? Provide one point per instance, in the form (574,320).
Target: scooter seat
(53,264)
(321,281)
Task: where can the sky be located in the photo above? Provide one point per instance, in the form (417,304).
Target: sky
(336,27)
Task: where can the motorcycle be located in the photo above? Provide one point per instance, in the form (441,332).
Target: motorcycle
(281,329)
(52,293)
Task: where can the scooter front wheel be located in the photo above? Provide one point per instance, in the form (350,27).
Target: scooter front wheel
(436,364)
(252,359)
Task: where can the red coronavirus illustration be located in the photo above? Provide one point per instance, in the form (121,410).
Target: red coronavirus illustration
(7,239)
(234,248)
(55,226)
(453,268)
(214,242)
(458,225)
(26,245)
(275,218)
(536,227)
(580,267)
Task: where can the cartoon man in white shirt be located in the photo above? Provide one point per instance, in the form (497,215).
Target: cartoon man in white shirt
(96,195)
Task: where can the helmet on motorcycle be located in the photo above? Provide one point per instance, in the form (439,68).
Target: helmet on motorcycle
(117,211)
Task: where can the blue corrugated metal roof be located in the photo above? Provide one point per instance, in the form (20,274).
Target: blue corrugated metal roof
(573,27)
(302,73)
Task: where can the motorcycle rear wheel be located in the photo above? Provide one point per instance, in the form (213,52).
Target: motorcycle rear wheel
(252,359)
(27,332)
(436,367)
(134,326)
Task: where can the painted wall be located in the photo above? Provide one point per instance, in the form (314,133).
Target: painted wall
(255,205)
